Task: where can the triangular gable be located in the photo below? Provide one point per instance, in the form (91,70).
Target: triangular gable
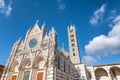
(35,29)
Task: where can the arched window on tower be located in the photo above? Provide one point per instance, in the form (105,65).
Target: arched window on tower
(73,45)
(72,36)
(73,54)
(72,40)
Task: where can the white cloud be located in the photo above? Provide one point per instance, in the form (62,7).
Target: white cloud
(113,14)
(61,4)
(59,1)
(106,45)
(89,60)
(98,15)
(8,10)
(5,8)
(2,4)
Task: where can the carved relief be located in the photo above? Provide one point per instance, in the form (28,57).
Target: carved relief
(37,61)
(13,66)
(26,63)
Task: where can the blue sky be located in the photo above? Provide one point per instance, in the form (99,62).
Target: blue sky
(97,23)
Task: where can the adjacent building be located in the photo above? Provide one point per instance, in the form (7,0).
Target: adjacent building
(1,70)
(38,58)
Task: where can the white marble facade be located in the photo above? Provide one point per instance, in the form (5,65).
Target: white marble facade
(37,58)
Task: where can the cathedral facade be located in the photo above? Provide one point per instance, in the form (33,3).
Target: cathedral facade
(37,58)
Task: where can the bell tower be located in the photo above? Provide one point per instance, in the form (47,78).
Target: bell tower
(73,45)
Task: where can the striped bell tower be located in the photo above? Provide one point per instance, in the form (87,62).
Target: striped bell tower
(73,45)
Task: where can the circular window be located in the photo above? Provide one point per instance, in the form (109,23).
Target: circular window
(32,43)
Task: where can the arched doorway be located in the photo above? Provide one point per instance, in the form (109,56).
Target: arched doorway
(25,65)
(37,61)
(14,77)
(13,69)
(101,74)
(115,73)
(38,66)
(40,76)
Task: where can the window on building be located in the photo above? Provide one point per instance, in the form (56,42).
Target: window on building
(73,54)
(71,35)
(69,68)
(58,62)
(73,45)
(64,66)
(26,75)
(72,40)
(89,74)
(73,49)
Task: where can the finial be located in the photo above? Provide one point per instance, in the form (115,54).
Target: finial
(44,23)
(53,30)
(37,21)
(20,38)
(43,26)
(62,45)
(63,48)
(46,34)
(71,24)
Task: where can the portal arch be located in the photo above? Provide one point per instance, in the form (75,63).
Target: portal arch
(101,74)
(115,73)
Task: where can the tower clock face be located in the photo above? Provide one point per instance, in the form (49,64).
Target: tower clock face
(32,43)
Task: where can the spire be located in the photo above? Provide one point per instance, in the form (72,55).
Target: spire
(44,29)
(44,25)
(53,30)
(46,36)
(36,25)
(35,29)
(63,48)
(37,21)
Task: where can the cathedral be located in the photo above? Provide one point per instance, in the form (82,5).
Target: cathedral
(37,58)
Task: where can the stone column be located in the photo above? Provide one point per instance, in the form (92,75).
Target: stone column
(20,74)
(8,76)
(109,75)
(34,74)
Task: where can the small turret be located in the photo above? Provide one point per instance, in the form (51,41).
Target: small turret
(53,38)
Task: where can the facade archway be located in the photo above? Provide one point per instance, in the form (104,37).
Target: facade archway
(13,65)
(37,61)
(101,74)
(38,64)
(14,77)
(25,63)
(13,70)
(115,73)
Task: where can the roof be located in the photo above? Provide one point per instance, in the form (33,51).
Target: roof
(107,64)
(2,65)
